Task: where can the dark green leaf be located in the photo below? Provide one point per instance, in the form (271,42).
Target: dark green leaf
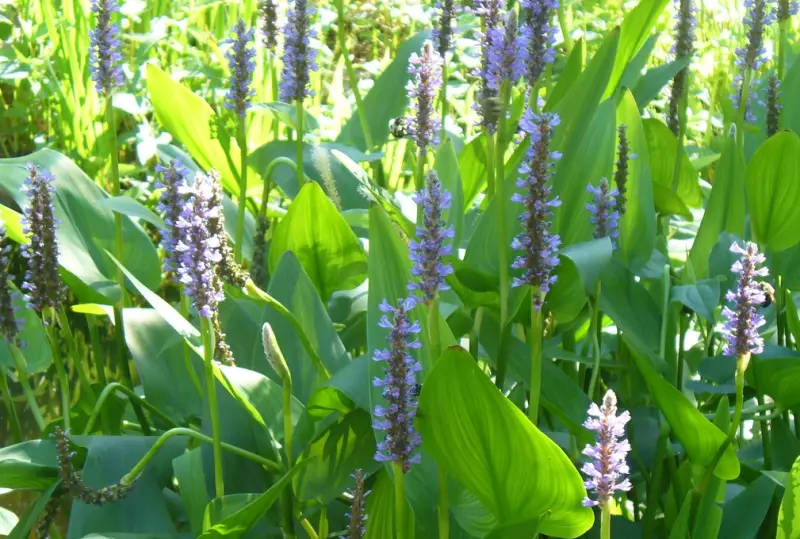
(29,465)
(743,515)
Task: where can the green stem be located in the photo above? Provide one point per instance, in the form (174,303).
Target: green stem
(287,421)
(312,534)
(208,359)
(593,333)
(131,476)
(323,522)
(273,75)
(502,240)
(241,139)
(100,364)
(740,116)
(351,74)
(683,322)
(443,512)
(399,501)
(22,375)
(655,487)
(665,312)
(490,179)
(114,387)
(445,104)
(61,373)
(187,352)
(12,411)
(536,358)
(781,49)
(605,522)
(766,441)
(564,24)
(301,179)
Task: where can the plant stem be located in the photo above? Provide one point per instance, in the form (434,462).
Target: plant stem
(596,345)
(187,352)
(502,240)
(665,312)
(781,49)
(301,179)
(287,421)
(536,358)
(22,375)
(13,418)
(742,112)
(490,180)
(766,441)
(273,75)
(132,396)
(241,140)
(351,74)
(399,501)
(683,322)
(445,104)
(323,522)
(312,534)
(100,365)
(61,373)
(208,360)
(436,351)
(605,522)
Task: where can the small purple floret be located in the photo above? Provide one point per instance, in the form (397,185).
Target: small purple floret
(175,186)
(539,34)
(104,54)
(604,216)
(424,125)
(752,57)
(241,63)
(299,58)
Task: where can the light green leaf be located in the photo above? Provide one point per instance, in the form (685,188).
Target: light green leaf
(29,465)
(789,513)
(132,208)
(31,515)
(663,148)
(192,487)
(656,78)
(286,114)
(450,177)
(702,297)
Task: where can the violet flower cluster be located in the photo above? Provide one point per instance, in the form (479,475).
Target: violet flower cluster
(431,245)
(268,11)
(486,105)
(175,186)
(424,125)
(742,320)
(606,471)
(537,243)
(786,9)
(397,419)
(299,58)
(604,215)
(749,59)
(685,26)
(42,285)
(104,53)
(242,65)
(357,517)
(505,61)
(10,322)
(442,33)
(539,35)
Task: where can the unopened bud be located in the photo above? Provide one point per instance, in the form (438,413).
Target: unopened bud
(274,355)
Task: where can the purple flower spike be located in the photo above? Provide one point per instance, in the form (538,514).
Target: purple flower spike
(539,34)
(443,31)
(505,61)
(605,473)
(538,245)
(486,104)
(685,26)
(786,9)
(240,61)
(171,203)
(298,58)
(431,247)
(604,216)
(268,11)
(760,14)
(357,517)
(104,54)
(198,249)
(10,322)
(774,106)
(42,284)
(427,70)
(397,420)
(743,321)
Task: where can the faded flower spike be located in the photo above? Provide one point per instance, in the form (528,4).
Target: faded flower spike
(357,517)
(431,246)
(229,270)
(741,328)
(539,35)
(773,105)
(442,32)
(605,473)
(751,58)
(537,243)
(604,216)
(273,353)
(427,70)
(322,162)
(174,185)
(786,9)
(268,11)
(104,55)
(42,284)
(240,60)
(198,249)
(298,56)
(10,323)
(487,103)
(685,26)
(505,61)
(397,420)
(624,155)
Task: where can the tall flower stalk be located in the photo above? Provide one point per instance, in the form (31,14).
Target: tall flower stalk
(424,126)
(357,517)
(607,467)
(539,35)
(751,58)
(785,10)
(773,105)
(442,37)
(537,243)
(268,15)
(685,25)
(299,60)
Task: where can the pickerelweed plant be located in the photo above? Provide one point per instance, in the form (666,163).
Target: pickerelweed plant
(359,269)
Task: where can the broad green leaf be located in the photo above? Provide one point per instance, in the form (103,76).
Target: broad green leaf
(680,528)
(566,298)
(192,487)
(656,78)
(789,513)
(29,465)
(663,149)
(637,226)
(126,205)
(773,192)
(326,247)
(633,71)
(702,297)
(484,442)
(385,100)
(30,517)
(450,177)
(700,438)
(87,229)
(778,373)
(348,389)
(37,352)
(628,303)
(743,515)
(725,211)
(381,508)
(571,72)
(286,114)
(634,32)
(192,121)
(790,116)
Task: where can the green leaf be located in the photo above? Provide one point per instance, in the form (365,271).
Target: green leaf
(636,28)
(241,521)
(385,100)
(700,438)
(87,229)
(656,78)
(348,389)
(381,507)
(663,148)
(571,72)
(37,352)
(30,517)
(192,121)
(326,247)
(637,226)
(29,465)
(566,298)
(628,303)
(743,515)
(725,211)
(773,192)
(126,205)
(702,297)
(192,487)
(778,373)
(680,528)
(790,115)
(450,177)
(484,442)
(286,114)
(789,513)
